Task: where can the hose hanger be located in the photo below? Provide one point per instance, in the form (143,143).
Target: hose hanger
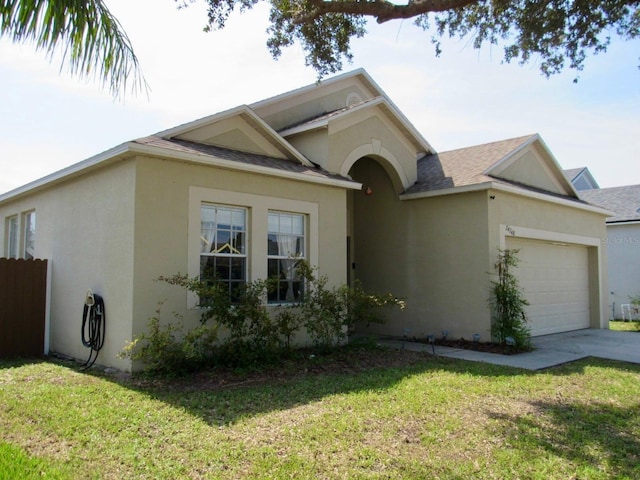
(93,326)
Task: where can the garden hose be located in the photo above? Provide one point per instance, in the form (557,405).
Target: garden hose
(93,326)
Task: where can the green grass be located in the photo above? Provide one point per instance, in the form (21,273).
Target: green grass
(430,418)
(625,326)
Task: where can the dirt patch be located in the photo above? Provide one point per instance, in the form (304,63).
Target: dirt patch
(349,361)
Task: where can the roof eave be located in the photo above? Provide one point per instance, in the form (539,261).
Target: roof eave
(209,160)
(509,189)
(552,199)
(447,191)
(258,122)
(116,153)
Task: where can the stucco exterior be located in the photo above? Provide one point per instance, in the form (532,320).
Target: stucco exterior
(379,205)
(440,251)
(85,227)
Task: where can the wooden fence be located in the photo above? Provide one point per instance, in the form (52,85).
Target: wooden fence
(23,300)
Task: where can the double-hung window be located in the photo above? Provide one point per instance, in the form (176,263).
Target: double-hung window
(223,246)
(12,237)
(286,247)
(29,235)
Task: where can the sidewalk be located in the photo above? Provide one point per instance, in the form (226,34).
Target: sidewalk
(549,350)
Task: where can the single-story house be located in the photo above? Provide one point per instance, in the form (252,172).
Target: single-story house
(623,245)
(334,173)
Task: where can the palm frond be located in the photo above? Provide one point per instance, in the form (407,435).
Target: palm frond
(90,38)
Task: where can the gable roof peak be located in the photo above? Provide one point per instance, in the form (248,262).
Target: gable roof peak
(359,73)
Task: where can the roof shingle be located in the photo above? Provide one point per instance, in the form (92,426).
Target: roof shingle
(624,201)
(204,150)
(462,167)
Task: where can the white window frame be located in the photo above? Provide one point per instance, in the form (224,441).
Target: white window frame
(12,237)
(258,207)
(29,235)
(228,250)
(286,263)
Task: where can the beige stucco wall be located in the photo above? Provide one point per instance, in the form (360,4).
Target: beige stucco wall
(438,252)
(432,252)
(313,145)
(367,133)
(516,215)
(167,232)
(84,227)
(530,167)
(117,229)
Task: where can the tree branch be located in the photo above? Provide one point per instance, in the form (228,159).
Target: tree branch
(382,10)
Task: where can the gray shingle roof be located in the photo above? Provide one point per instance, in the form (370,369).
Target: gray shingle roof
(624,201)
(462,167)
(194,148)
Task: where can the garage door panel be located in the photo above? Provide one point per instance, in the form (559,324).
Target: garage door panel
(555,281)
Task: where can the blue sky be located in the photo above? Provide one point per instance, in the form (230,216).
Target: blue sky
(51,120)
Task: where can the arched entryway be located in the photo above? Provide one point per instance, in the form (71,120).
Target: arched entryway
(377,230)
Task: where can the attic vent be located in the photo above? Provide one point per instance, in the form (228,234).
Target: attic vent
(353,99)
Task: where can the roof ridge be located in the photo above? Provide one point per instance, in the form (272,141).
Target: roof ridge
(496,142)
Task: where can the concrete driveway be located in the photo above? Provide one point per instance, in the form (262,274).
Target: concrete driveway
(552,350)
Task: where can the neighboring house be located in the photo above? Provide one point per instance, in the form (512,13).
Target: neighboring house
(622,242)
(581,178)
(333,173)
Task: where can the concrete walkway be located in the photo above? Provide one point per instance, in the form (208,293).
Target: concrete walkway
(549,350)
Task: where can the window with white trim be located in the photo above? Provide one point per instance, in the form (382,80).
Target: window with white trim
(286,247)
(29,235)
(11,250)
(223,246)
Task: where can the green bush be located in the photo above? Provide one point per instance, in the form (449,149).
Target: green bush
(166,349)
(508,305)
(255,333)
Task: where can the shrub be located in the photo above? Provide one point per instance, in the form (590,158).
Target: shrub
(254,333)
(166,349)
(327,314)
(508,304)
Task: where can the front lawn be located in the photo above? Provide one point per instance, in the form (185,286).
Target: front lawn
(632,326)
(362,414)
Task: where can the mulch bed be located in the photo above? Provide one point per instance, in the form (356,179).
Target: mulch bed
(487,347)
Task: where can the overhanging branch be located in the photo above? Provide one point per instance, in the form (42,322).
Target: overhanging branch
(381,10)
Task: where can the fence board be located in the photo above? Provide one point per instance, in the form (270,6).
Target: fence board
(23,298)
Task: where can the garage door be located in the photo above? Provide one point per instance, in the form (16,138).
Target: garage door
(555,281)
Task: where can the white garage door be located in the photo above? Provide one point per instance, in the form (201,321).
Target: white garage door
(555,281)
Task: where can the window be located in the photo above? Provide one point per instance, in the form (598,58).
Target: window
(223,238)
(29,235)
(286,246)
(12,237)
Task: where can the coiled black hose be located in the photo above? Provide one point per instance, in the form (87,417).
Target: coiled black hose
(93,328)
